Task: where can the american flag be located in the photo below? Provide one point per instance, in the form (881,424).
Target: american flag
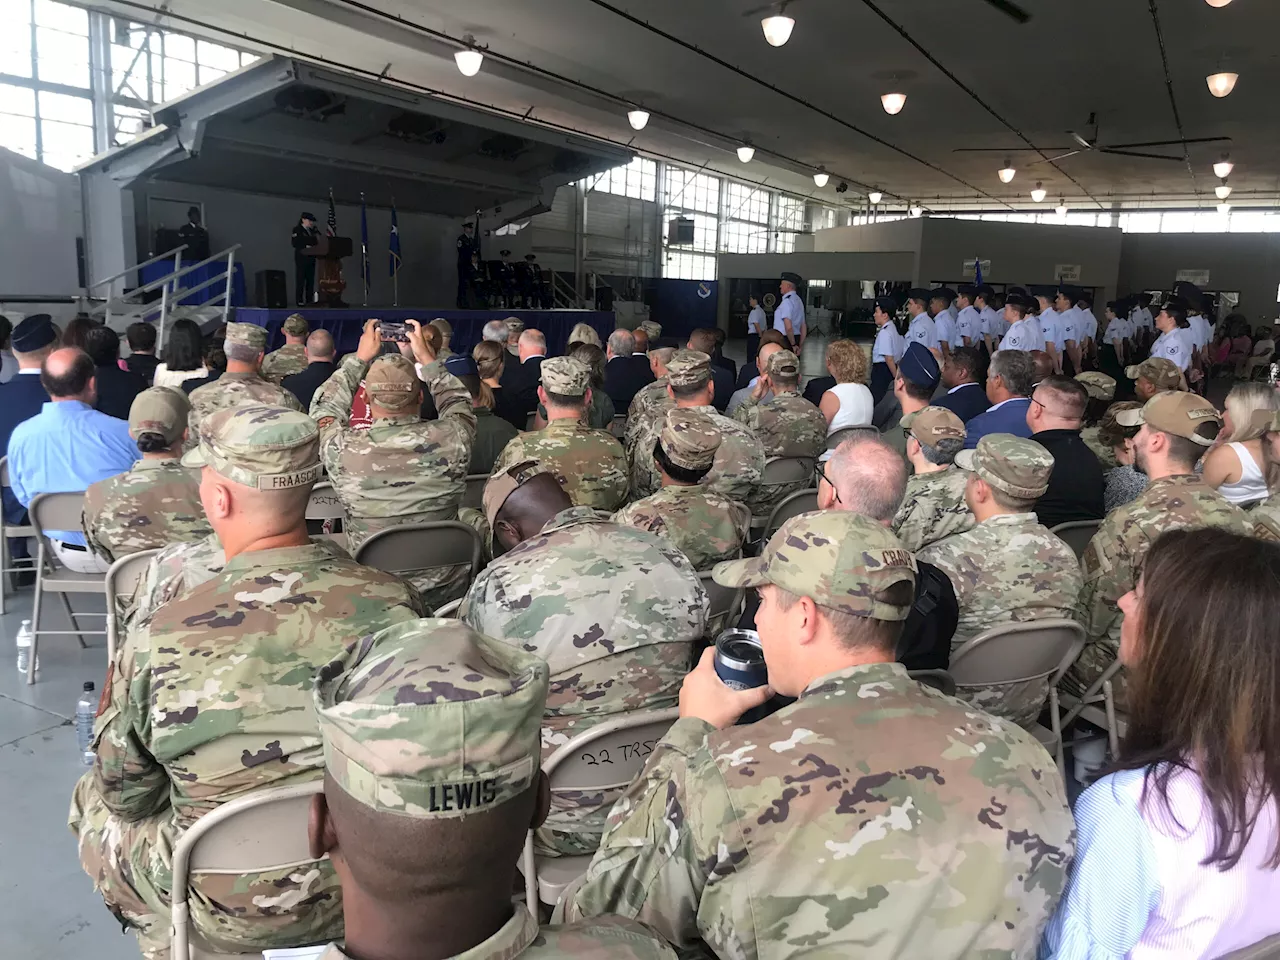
(332,228)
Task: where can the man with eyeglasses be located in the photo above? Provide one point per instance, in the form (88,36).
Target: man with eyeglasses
(1055,419)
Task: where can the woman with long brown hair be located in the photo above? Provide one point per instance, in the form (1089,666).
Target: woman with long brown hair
(490,358)
(1178,847)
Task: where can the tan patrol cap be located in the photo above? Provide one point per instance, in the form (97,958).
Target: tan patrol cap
(782,363)
(502,485)
(161,410)
(1182,414)
(933,424)
(392,382)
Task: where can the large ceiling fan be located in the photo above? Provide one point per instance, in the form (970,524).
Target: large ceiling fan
(1007,7)
(1085,144)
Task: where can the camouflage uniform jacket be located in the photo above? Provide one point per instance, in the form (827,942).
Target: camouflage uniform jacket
(210,700)
(234,390)
(615,612)
(402,469)
(703,525)
(288,360)
(933,508)
(1114,557)
(787,426)
(873,818)
(589,463)
(151,505)
(609,938)
(647,408)
(736,473)
(1265,518)
(1007,569)
(1106,455)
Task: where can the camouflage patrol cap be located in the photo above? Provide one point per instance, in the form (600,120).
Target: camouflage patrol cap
(429,719)
(1012,465)
(1099,386)
(514,325)
(652,328)
(933,424)
(1264,421)
(782,363)
(565,376)
(161,410)
(1182,414)
(688,368)
(392,383)
(501,485)
(689,439)
(1161,373)
(295,325)
(268,448)
(837,558)
(247,334)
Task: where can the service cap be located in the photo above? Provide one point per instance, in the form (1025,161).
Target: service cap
(161,410)
(919,365)
(267,448)
(919,293)
(1182,414)
(33,333)
(1013,465)
(790,277)
(887,305)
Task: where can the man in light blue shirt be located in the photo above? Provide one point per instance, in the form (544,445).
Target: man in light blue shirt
(67,446)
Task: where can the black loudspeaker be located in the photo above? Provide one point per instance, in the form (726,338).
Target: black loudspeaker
(271,289)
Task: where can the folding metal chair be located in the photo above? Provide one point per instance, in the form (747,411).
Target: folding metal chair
(1023,652)
(802,501)
(11,532)
(1076,534)
(619,425)
(59,511)
(1098,706)
(1268,949)
(781,472)
(607,757)
(940,680)
(474,496)
(122,578)
(266,830)
(724,604)
(413,546)
(847,433)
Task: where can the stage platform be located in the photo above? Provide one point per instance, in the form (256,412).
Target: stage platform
(346,324)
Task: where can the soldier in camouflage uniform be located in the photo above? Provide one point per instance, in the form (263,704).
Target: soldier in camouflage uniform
(1009,568)
(1153,375)
(1265,517)
(873,818)
(1102,390)
(589,463)
(157,501)
(654,331)
(402,469)
(788,425)
(292,357)
(933,506)
(705,526)
(651,401)
(442,792)
(739,463)
(1176,430)
(613,610)
(209,698)
(241,385)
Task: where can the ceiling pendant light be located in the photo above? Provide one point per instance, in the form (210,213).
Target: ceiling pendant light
(468,59)
(637,118)
(1039,193)
(1007,172)
(875,196)
(893,103)
(1221,84)
(1224,208)
(746,152)
(1217,3)
(777,29)
(1061,209)
(1223,191)
(916,209)
(1222,169)
(821,177)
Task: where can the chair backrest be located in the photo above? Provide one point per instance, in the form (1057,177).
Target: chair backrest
(802,501)
(121,579)
(723,603)
(1263,347)
(840,436)
(940,680)
(1076,534)
(413,546)
(1268,949)
(788,469)
(474,495)
(4,471)
(619,425)
(266,830)
(1015,652)
(324,503)
(56,511)
(610,754)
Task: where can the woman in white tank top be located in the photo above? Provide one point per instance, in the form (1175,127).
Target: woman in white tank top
(848,403)
(1237,466)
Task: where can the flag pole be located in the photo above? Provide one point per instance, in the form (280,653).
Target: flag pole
(395,274)
(364,249)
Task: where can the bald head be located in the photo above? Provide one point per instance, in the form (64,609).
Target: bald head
(641,338)
(67,373)
(868,476)
(767,350)
(528,508)
(241,515)
(320,346)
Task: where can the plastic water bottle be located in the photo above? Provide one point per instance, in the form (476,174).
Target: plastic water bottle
(24,647)
(86,711)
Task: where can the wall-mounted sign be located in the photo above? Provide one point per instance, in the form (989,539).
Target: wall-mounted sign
(1199,277)
(967,270)
(1067,272)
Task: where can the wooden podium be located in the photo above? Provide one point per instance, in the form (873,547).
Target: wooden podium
(329,252)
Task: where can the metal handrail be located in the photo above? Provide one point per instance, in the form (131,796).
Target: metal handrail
(183,292)
(145,263)
(157,284)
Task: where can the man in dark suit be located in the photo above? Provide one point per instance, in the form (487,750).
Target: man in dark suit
(320,367)
(718,359)
(704,341)
(520,380)
(966,395)
(142,358)
(33,339)
(116,388)
(623,376)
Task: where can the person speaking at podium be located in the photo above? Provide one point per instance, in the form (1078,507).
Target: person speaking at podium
(305,235)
